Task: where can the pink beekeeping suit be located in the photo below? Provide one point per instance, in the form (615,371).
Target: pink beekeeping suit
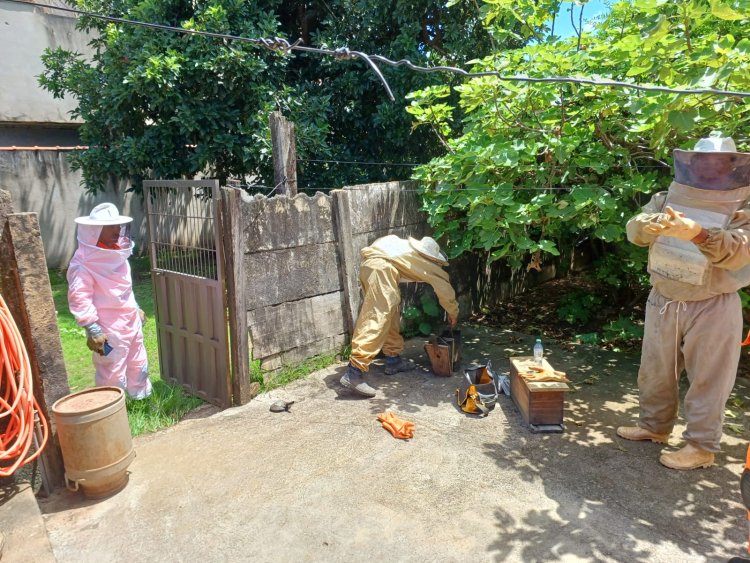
(100,290)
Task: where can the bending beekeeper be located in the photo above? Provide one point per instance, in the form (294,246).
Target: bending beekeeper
(385,263)
(698,234)
(100,297)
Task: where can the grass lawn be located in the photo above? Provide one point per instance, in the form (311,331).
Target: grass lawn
(167,404)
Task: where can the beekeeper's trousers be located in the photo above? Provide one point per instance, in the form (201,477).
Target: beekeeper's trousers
(703,338)
(379,321)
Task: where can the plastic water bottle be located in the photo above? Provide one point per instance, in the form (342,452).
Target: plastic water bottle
(538,352)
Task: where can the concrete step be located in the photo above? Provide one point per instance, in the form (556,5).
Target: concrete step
(24,535)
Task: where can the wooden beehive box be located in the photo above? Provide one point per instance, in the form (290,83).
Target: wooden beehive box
(541,403)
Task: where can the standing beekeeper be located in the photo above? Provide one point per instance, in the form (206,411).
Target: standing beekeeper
(100,297)
(385,263)
(698,234)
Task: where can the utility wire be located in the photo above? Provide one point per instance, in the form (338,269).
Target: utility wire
(280,44)
(475,189)
(410,164)
(236,184)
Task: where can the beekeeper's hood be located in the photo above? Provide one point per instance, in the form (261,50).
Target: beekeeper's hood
(714,164)
(105,229)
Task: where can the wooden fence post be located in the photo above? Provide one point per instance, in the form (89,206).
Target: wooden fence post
(343,231)
(284,154)
(243,390)
(24,282)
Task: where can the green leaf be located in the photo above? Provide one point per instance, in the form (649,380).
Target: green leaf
(430,306)
(411,313)
(657,32)
(609,233)
(636,70)
(724,11)
(425,328)
(743,46)
(549,246)
(684,120)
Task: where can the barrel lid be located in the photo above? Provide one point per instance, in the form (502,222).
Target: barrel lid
(88,400)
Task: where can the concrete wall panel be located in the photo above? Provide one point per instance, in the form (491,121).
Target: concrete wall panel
(42,182)
(275,223)
(26,32)
(279,276)
(298,355)
(290,325)
(382,207)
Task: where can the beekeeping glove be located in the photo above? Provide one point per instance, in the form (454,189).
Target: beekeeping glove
(399,428)
(95,338)
(655,223)
(676,225)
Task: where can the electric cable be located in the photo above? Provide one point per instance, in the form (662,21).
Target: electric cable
(281,44)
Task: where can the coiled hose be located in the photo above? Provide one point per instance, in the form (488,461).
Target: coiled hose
(17,404)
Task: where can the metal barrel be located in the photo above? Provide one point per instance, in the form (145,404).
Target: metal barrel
(97,448)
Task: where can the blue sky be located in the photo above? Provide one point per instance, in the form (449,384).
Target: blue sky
(562,22)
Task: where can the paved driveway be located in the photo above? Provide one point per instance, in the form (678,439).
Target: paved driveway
(326,483)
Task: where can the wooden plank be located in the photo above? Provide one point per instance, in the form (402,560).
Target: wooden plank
(233,242)
(519,393)
(23,263)
(284,154)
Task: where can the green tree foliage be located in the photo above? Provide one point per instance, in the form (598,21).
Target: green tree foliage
(365,125)
(540,168)
(160,104)
(167,105)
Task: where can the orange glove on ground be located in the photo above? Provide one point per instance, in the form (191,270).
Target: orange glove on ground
(402,429)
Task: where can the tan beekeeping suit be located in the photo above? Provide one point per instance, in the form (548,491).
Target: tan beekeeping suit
(693,327)
(385,263)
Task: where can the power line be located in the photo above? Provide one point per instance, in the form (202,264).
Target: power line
(477,189)
(409,164)
(280,44)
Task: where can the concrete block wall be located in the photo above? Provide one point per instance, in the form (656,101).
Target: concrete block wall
(291,269)
(301,262)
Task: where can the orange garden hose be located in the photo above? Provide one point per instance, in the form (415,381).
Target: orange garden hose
(17,404)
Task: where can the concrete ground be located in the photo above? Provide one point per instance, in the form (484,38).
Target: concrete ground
(325,482)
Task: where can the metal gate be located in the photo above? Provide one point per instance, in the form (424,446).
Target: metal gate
(187,267)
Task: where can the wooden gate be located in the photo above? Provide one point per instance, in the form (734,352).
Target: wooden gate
(187,266)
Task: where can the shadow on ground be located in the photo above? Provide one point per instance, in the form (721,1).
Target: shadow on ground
(589,471)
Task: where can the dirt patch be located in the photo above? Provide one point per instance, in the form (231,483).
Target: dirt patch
(543,310)
(549,311)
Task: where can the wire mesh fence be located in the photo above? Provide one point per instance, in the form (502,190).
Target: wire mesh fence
(181,221)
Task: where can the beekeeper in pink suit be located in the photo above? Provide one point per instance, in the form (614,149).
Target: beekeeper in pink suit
(100,297)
